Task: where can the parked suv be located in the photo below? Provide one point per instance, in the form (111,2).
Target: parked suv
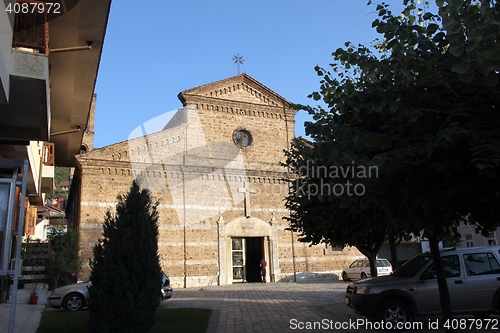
(473,276)
(360,269)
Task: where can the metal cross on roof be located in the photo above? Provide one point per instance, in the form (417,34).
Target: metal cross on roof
(238,60)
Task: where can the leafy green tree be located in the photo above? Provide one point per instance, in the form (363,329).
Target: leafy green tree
(328,199)
(126,275)
(61,174)
(62,263)
(425,112)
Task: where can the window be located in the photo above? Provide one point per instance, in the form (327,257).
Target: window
(451,268)
(412,266)
(383,263)
(83,149)
(492,241)
(31,30)
(242,138)
(468,242)
(481,264)
(357,263)
(332,250)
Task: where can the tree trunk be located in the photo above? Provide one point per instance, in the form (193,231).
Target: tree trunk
(371,250)
(444,293)
(394,253)
(373,264)
(371,255)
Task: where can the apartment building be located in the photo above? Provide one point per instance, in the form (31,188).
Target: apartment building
(49,59)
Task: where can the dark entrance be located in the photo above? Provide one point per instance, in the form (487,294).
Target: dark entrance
(254,254)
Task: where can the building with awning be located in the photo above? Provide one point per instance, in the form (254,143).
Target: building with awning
(49,60)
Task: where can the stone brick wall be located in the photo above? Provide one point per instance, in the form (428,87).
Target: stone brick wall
(405,251)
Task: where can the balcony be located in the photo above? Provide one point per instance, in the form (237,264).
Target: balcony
(27,115)
(41,170)
(31,31)
(47,183)
(69,45)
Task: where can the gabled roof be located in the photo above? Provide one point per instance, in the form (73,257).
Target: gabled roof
(242,88)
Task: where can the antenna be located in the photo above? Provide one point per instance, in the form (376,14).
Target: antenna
(238,60)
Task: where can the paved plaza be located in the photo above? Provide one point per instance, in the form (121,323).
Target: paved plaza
(289,307)
(268,307)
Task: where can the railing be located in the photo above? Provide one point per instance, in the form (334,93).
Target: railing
(30,221)
(33,270)
(31,29)
(48,153)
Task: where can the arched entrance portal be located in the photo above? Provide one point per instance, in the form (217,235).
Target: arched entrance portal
(247,241)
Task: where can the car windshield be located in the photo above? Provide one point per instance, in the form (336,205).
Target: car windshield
(412,266)
(383,263)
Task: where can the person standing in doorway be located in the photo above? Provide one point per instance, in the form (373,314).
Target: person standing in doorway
(263,265)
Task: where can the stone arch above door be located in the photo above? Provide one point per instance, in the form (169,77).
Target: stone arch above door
(247,227)
(243,227)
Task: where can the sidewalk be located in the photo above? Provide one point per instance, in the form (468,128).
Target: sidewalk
(27,315)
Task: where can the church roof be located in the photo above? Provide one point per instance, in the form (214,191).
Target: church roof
(241,87)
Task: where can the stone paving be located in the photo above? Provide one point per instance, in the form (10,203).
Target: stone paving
(27,316)
(269,307)
(287,307)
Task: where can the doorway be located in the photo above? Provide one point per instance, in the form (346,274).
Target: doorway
(246,255)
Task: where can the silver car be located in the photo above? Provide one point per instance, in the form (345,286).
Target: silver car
(74,297)
(473,276)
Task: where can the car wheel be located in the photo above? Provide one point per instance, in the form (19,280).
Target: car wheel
(363,275)
(73,302)
(396,313)
(344,276)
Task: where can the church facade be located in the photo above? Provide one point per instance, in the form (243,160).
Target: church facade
(215,168)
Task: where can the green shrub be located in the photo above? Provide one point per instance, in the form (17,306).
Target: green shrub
(126,276)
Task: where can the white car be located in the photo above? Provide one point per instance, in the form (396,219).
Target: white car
(360,269)
(74,297)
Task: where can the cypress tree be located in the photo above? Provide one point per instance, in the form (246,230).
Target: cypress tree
(126,277)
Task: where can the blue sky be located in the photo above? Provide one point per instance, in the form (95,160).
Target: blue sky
(155,49)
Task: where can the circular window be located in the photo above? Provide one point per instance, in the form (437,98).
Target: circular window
(242,138)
